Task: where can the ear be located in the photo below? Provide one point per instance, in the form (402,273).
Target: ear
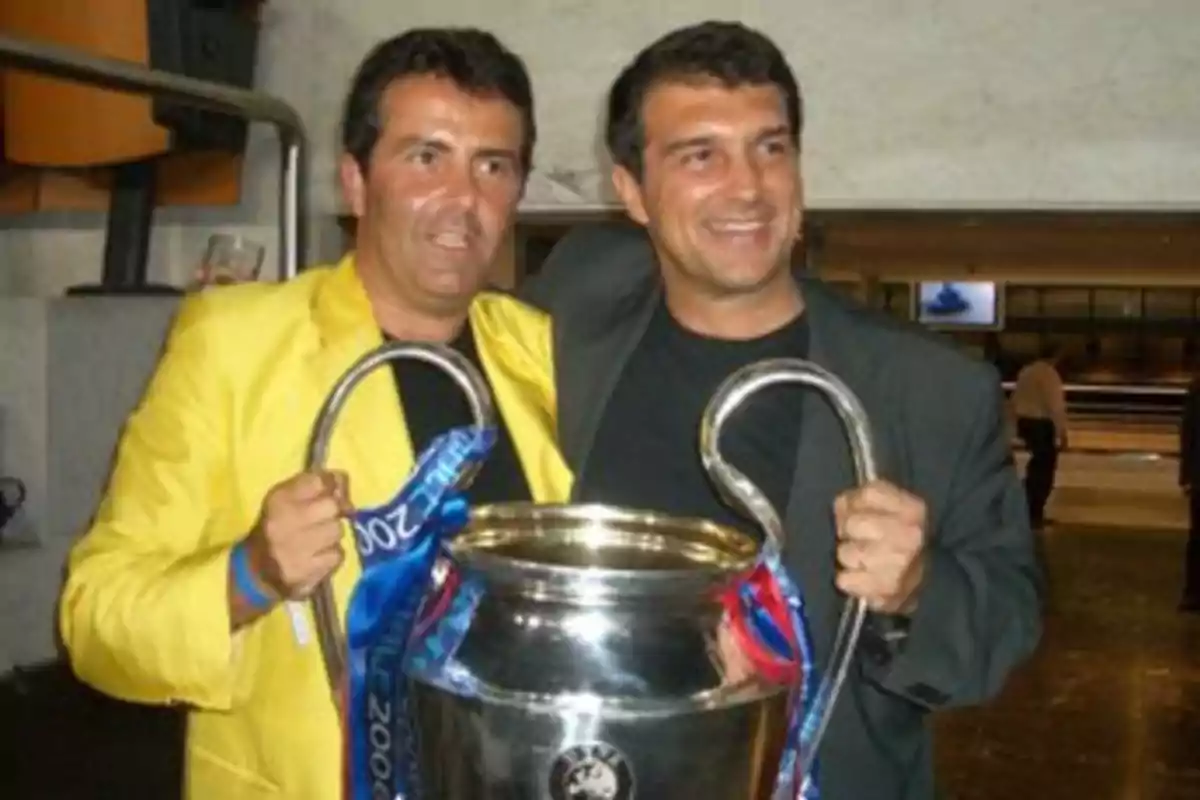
(354,185)
(629,190)
(799,210)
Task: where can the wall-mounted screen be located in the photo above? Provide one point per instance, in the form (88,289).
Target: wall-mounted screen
(977,305)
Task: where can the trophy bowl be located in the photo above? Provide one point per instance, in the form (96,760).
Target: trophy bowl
(598,664)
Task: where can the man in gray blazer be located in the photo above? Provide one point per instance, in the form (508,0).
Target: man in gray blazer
(704,129)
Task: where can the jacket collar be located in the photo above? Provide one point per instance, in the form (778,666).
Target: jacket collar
(370,437)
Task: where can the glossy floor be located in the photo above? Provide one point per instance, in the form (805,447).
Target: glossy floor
(1109,709)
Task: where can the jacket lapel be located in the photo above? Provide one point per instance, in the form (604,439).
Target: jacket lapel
(370,438)
(824,467)
(524,397)
(598,357)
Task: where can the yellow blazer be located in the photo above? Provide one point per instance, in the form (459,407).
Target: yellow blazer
(228,414)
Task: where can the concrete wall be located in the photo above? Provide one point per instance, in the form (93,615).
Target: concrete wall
(71,369)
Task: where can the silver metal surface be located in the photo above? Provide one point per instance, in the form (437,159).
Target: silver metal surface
(599,661)
(329,627)
(62,62)
(741,492)
(600,665)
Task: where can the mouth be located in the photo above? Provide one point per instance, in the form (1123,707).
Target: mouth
(739,229)
(452,240)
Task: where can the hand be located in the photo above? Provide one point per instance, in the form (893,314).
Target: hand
(297,541)
(881,546)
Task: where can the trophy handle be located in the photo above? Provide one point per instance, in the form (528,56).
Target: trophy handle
(741,492)
(329,628)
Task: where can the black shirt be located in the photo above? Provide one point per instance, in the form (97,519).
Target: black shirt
(434,403)
(646,453)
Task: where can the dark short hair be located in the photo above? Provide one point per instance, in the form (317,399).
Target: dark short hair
(474,60)
(728,53)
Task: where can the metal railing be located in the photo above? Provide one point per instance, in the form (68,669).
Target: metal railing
(1127,404)
(61,62)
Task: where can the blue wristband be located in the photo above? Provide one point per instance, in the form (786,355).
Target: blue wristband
(244,582)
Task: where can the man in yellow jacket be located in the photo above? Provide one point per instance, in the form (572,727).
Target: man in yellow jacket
(176,595)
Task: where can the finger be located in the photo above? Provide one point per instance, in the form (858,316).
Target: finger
(887,498)
(329,537)
(306,486)
(323,566)
(336,481)
(341,491)
(323,537)
(841,508)
(866,527)
(851,556)
(857,584)
(318,512)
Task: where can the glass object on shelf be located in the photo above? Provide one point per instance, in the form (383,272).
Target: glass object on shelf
(230,258)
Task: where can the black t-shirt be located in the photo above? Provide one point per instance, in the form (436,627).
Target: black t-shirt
(434,403)
(646,454)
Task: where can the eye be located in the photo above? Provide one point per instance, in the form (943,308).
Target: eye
(779,148)
(776,147)
(496,165)
(697,158)
(424,156)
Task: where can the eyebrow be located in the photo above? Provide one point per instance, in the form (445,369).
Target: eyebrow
(687,144)
(497,152)
(774,133)
(701,141)
(409,142)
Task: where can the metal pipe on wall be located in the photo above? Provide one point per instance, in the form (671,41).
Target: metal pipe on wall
(62,62)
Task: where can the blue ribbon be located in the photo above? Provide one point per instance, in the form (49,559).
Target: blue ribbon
(399,544)
(806,707)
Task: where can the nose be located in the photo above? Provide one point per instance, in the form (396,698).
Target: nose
(745,177)
(460,185)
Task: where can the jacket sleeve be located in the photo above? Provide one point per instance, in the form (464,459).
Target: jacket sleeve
(979,608)
(144,611)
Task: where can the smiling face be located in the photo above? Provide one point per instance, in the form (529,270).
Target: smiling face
(438,195)
(720,190)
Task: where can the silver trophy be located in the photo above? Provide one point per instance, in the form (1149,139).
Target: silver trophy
(599,657)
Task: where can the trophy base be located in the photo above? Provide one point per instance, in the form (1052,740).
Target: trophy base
(498,751)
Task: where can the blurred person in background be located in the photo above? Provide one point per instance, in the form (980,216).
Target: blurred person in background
(1040,406)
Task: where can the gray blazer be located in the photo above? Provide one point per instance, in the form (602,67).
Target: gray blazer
(938,420)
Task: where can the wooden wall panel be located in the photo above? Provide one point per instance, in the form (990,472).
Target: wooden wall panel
(1078,247)
(1134,249)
